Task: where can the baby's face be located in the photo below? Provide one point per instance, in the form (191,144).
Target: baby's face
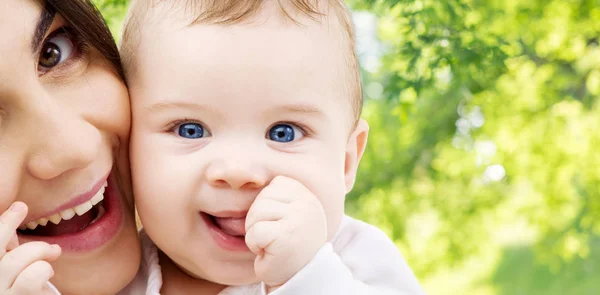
(218,112)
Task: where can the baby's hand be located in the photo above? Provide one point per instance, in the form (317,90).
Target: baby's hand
(24,269)
(285,227)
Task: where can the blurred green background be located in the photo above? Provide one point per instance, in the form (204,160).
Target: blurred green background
(481,162)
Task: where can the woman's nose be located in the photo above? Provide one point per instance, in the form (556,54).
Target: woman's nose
(61,140)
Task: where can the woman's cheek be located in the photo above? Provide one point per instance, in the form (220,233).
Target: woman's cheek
(106,100)
(9,176)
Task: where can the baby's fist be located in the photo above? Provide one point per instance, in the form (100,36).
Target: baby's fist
(285,227)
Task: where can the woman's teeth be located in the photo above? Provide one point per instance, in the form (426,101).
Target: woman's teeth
(68,213)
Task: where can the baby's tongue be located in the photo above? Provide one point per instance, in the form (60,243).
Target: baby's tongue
(232,226)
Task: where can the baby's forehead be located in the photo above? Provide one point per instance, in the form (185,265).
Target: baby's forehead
(295,70)
(264,48)
(291,45)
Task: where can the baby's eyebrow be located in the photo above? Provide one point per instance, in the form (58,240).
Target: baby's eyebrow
(299,108)
(291,108)
(167,105)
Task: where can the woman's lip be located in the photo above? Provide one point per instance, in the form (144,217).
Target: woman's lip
(95,235)
(222,239)
(78,200)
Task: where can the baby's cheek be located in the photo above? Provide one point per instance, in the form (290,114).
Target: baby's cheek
(332,192)
(323,178)
(144,167)
(158,176)
(334,212)
(146,194)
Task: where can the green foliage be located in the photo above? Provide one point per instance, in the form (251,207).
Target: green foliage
(114,12)
(481,163)
(486,135)
(520,273)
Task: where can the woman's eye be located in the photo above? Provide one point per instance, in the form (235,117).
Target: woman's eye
(284,133)
(192,131)
(55,51)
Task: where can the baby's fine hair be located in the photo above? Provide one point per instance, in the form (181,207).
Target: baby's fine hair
(228,12)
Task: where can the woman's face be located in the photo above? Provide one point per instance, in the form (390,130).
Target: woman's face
(64,128)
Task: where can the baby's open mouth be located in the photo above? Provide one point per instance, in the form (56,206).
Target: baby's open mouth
(228,230)
(233,226)
(70,220)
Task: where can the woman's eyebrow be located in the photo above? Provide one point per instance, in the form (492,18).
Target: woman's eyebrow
(42,26)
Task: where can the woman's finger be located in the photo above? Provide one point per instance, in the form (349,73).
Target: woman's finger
(34,279)
(14,242)
(14,263)
(9,222)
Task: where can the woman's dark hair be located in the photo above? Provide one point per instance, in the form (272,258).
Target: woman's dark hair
(86,20)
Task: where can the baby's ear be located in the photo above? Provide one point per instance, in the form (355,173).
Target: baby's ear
(354,151)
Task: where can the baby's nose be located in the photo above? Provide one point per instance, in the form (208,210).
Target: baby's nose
(237,173)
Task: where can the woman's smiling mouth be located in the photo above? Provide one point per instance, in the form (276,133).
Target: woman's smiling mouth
(84,223)
(76,218)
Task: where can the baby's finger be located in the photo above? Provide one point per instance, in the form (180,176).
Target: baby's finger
(264,209)
(261,235)
(33,280)
(15,261)
(283,189)
(9,222)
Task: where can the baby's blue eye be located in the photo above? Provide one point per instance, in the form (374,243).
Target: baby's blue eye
(283,133)
(191,130)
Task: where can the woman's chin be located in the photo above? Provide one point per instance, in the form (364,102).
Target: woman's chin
(111,267)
